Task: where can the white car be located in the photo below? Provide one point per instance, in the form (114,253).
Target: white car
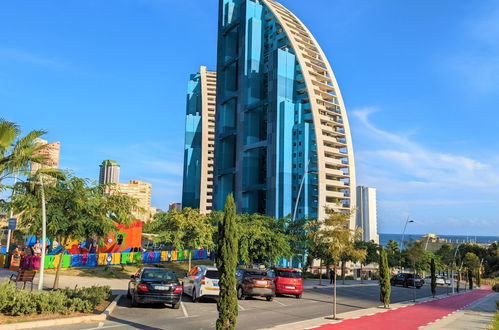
(201,281)
(440,280)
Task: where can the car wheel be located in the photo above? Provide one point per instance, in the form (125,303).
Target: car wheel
(128,295)
(240,294)
(134,301)
(298,296)
(270,298)
(195,299)
(176,306)
(406,285)
(418,287)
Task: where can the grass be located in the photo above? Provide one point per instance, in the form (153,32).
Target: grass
(495,322)
(125,271)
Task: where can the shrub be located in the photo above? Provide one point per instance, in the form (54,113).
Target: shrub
(19,302)
(496,287)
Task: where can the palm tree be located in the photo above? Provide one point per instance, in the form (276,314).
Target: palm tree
(17,152)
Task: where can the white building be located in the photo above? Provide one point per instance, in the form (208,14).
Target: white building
(367,214)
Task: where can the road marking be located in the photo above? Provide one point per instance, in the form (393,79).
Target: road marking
(241,307)
(105,327)
(280,303)
(184,310)
(101,324)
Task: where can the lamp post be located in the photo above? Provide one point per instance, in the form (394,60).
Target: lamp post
(297,201)
(44,234)
(402,240)
(11,216)
(453,263)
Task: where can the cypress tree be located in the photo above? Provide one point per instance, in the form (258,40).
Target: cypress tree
(433,278)
(384,278)
(227,262)
(470,279)
(478,278)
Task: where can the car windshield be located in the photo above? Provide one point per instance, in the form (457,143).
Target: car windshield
(282,273)
(158,275)
(255,274)
(213,274)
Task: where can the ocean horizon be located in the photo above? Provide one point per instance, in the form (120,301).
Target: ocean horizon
(384,238)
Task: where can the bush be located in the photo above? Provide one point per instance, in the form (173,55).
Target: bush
(19,302)
(496,287)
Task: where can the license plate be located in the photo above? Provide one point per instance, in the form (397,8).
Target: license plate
(215,284)
(261,282)
(161,287)
(290,287)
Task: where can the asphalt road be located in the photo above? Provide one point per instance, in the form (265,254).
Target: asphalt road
(254,313)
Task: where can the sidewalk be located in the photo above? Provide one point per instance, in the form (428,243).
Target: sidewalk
(477,315)
(119,286)
(404,315)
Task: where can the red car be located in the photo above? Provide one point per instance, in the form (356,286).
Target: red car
(288,281)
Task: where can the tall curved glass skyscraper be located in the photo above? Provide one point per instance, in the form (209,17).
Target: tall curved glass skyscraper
(282,131)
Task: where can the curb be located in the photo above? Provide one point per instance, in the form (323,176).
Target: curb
(64,321)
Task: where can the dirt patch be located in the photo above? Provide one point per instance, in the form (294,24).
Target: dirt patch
(6,319)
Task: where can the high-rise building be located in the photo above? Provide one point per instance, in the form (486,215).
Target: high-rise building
(197,190)
(51,153)
(282,130)
(367,218)
(141,191)
(109,172)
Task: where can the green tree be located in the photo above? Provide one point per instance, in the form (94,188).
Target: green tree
(384,278)
(433,278)
(472,264)
(184,229)
(393,253)
(337,239)
(75,209)
(372,256)
(226,262)
(261,239)
(446,254)
(16,152)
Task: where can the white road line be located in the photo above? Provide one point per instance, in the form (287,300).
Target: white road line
(241,307)
(280,303)
(184,310)
(106,327)
(101,324)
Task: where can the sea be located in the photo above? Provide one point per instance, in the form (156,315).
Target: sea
(384,238)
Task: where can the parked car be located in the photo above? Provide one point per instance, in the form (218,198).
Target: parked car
(255,283)
(155,285)
(201,281)
(439,279)
(288,281)
(407,279)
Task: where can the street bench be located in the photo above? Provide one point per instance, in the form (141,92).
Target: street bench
(23,276)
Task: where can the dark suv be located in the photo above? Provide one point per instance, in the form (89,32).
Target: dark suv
(255,283)
(406,280)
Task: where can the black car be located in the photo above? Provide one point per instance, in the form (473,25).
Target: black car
(155,285)
(406,280)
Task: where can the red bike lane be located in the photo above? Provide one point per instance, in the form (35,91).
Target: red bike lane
(410,317)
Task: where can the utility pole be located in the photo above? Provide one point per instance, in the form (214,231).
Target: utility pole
(44,235)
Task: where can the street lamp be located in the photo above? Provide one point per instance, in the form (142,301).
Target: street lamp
(402,240)
(44,234)
(11,216)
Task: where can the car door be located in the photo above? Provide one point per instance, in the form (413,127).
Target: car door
(399,279)
(192,279)
(132,285)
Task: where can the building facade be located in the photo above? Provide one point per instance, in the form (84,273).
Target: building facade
(142,192)
(109,172)
(197,190)
(282,131)
(51,153)
(174,206)
(367,217)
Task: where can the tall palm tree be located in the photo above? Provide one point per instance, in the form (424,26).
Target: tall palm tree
(17,152)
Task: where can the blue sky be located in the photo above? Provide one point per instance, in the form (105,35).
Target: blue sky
(420,80)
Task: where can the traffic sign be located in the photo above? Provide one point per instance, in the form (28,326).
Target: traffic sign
(12,224)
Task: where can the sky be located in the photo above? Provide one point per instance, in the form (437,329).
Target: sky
(420,80)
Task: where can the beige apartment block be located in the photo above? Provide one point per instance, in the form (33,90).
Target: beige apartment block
(51,151)
(141,191)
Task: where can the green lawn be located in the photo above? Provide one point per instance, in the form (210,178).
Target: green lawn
(124,272)
(495,323)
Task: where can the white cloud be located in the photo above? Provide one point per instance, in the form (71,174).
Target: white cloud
(27,57)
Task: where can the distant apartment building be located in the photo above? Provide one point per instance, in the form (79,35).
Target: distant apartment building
(367,218)
(109,172)
(141,191)
(174,206)
(51,151)
(197,190)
